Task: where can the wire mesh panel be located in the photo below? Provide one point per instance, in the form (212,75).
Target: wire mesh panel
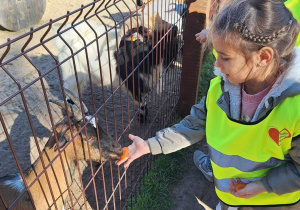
(71,92)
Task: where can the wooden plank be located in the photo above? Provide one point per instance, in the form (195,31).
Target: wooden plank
(18,14)
(192,56)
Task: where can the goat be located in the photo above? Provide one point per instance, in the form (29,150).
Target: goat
(103,55)
(171,11)
(12,186)
(147,73)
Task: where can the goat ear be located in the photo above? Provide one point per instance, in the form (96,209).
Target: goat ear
(75,99)
(62,142)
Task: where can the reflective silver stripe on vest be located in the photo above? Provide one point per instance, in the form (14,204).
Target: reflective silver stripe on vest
(223,184)
(241,163)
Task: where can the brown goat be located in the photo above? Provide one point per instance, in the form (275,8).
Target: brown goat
(82,145)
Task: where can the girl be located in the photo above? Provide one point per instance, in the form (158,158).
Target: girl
(250,116)
(201,160)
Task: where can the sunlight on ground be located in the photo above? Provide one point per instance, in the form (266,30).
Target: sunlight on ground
(203,204)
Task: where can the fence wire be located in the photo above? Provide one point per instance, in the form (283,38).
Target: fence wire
(71,92)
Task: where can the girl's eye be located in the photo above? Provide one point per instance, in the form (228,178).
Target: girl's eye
(224,59)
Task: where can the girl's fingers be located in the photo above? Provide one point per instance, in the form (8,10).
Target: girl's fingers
(127,160)
(126,165)
(232,183)
(241,193)
(119,162)
(138,148)
(131,137)
(231,191)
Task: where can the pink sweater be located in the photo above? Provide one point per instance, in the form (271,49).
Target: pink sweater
(251,102)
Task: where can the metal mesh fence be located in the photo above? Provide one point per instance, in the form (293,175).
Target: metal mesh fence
(122,60)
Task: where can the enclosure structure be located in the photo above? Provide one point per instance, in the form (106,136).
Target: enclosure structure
(122,60)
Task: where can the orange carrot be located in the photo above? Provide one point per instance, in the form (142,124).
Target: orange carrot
(125,153)
(239,186)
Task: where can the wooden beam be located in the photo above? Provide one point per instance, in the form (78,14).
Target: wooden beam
(192,55)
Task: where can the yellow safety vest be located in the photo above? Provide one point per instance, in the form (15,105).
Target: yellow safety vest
(248,151)
(294,7)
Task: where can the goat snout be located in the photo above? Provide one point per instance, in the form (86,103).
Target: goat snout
(112,151)
(116,150)
(116,147)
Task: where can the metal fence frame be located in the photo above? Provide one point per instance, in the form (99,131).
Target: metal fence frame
(160,118)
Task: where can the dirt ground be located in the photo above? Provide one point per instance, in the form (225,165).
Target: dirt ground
(192,191)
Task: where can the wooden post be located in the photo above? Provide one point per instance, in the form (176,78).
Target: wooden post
(192,55)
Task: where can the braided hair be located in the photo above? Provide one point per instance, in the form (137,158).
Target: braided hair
(253,24)
(261,39)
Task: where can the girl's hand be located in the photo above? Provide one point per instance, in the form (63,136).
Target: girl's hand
(202,36)
(251,189)
(138,148)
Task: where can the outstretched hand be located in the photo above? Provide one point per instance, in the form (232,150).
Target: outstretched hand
(251,189)
(138,148)
(202,36)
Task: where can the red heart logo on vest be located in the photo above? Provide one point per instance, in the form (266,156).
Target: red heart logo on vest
(274,134)
(277,136)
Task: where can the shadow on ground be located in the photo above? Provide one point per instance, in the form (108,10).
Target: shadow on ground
(194,191)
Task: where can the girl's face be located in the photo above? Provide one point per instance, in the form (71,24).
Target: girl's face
(232,62)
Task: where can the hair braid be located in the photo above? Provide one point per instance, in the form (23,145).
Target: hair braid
(247,35)
(253,24)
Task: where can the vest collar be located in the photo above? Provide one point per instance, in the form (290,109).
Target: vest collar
(287,85)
